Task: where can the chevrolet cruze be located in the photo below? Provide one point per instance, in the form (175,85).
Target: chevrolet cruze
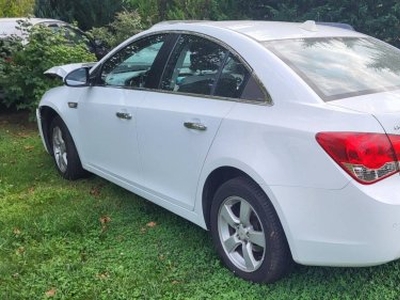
(282,139)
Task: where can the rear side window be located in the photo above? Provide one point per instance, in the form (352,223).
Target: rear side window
(253,91)
(203,67)
(232,78)
(194,66)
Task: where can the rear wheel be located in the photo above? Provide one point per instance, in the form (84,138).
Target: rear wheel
(64,152)
(247,232)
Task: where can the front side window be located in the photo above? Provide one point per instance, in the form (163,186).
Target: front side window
(130,66)
(342,67)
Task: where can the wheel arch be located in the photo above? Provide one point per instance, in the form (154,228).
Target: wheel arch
(224,173)
(47,115)
(214,180)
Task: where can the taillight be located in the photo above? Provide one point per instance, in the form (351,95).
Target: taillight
(367,157)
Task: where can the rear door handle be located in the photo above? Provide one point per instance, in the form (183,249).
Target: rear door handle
(124,115)
(195,126)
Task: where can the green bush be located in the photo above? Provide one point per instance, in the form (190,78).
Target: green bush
(23,61)
(16,8)
(124,26)
(87,13)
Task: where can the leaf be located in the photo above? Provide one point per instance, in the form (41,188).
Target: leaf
(96,191)
(151,224)
(103,276)
(51,293)
(20,250)
(29,148)
(105,219)
(16,231)
(148,225)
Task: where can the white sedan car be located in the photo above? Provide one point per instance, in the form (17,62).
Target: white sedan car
(282,139)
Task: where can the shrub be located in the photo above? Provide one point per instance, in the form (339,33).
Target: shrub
(23,61)
(16,8)
(124,26)
(87,13)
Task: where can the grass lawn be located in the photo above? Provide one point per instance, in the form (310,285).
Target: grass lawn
(90,239)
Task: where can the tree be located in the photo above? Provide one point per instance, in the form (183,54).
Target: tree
(87,13)
(16,8)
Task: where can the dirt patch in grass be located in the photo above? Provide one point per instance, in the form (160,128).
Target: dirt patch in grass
(16,118)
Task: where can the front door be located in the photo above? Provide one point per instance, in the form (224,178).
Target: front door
(108,112)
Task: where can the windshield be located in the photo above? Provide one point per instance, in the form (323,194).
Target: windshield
(342,67)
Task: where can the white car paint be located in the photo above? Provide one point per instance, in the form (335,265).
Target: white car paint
(62,71)
(328,217)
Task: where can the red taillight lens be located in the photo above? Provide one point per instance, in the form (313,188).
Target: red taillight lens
(367,157)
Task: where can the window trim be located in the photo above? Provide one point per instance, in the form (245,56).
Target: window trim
(267,97)
(159,61)
(172,37)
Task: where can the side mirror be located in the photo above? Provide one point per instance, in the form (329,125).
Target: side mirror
(78,77)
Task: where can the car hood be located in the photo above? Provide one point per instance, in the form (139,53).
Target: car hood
(385,107)
(62,71)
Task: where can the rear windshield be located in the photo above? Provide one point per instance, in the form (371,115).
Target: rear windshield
(342,67)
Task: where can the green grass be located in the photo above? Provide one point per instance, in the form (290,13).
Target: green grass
(90,239)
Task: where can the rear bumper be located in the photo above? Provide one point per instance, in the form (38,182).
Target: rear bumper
(355,226)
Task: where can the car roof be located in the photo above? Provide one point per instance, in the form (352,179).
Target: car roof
(8,25)
(264,30)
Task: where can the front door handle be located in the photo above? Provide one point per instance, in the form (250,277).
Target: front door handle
(196,126)
(124,115)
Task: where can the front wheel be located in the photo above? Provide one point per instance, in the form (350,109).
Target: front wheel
(247,232)
(64,152)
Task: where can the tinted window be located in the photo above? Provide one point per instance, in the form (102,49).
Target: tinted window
(194,66)
(232,79)
(200,66)
(129,67)
(342,67)
(253,91)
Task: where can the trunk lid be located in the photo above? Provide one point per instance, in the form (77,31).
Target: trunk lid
(385,107)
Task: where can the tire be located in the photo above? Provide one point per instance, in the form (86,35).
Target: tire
(247,233)
(64,152)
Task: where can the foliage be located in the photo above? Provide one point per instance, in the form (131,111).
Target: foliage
(193,9)
(151,11)
(124,26)
(23,59)
(377,18)
(16,8)
(88,13)
(90,239)
(160,10)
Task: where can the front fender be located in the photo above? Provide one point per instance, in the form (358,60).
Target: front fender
(64,102)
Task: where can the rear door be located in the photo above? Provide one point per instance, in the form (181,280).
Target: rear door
(177,126)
